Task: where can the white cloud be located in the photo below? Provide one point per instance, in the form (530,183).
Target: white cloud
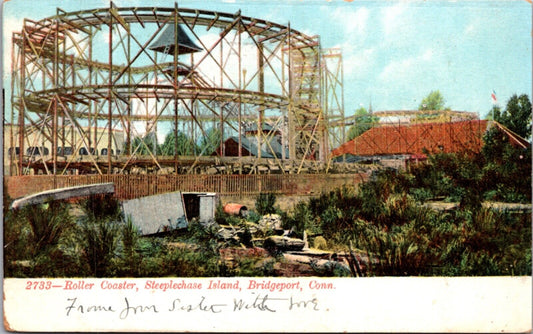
(352,21)
(359,63)
(412,77)
(427,55)
(353,25)
(9,25)
(117,36)
(211,70)
(393,18)
(411,69)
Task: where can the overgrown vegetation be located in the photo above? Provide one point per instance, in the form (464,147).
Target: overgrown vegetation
(46,240)
(265,203)
(385,219)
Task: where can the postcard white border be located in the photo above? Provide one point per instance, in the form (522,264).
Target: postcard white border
(481,304)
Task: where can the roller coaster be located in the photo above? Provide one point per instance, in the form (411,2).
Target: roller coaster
(92,91)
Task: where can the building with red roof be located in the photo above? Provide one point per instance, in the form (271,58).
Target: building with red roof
(417,140)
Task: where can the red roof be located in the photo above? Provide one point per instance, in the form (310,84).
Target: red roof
(417,139)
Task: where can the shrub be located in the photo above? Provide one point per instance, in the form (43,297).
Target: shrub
(394,253)
(101,206)
(17,237)
(398,209)
(254,266)
(265,203)
(301,218)
(129,242)
(320,243)
(43,236)
(98,238)
(48,222)
(253,217)
(191,263)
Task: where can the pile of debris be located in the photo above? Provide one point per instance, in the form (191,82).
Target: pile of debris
(269,236)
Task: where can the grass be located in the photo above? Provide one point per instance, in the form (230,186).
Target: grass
(383,218)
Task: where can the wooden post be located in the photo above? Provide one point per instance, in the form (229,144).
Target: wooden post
(109,94)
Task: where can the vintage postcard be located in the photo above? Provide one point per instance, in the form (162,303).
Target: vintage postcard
(267,166)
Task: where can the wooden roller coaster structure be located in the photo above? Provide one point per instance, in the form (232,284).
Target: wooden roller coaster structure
(87,81)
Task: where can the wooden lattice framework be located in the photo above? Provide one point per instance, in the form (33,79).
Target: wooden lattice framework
(78,77)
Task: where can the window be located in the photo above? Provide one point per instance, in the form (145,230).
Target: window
(35,150)
(67,150)
(13,151)
(104,151)
(83,151)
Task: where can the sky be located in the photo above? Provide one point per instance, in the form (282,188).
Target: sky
(394,52)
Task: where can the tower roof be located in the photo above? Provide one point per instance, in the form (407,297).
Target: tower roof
(166,42)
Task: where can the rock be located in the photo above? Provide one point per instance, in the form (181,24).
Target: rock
(321,266)
(226,234)
(271,222)
(234,235)
(252,227)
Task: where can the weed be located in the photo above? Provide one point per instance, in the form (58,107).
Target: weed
(99,238)
(265,203)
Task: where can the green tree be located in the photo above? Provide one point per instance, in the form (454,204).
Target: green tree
(145,145)
(494,114)
(210,142)
(507,170)
(433,101)
(185,145)
(364,121)
(517,115)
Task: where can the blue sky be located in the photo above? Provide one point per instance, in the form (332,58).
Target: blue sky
(394,52)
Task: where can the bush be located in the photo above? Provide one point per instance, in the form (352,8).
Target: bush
(101,206)
(253,217)
(421,194)
(48,222)
(265,203)
(17,237)
(98,239)
(320,243)
(190,263)
(253,267)
(38,242)
(129,252)
(302,219)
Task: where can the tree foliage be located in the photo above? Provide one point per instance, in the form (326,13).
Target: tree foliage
(364,121)
(146,144)
(516,116)
(507,169)
(210,142)
(433,101)
(185,145)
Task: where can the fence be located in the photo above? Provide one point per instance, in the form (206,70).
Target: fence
(134,186)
